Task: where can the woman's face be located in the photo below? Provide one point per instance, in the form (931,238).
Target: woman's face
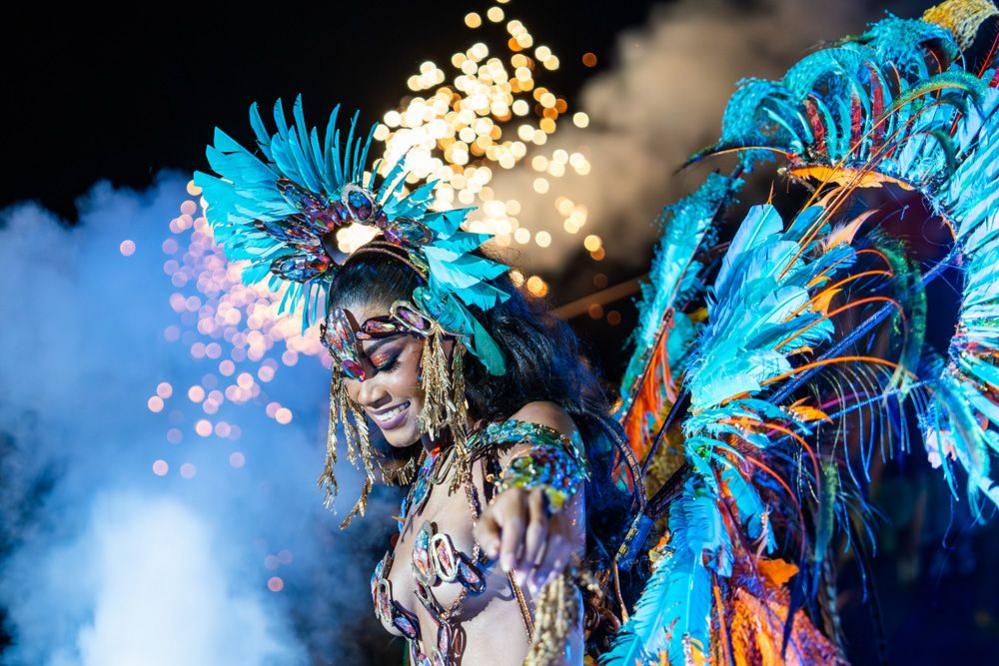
(391,395)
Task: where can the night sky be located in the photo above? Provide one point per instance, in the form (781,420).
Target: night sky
(119,95)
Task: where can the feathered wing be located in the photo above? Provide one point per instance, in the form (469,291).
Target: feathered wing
(804,352)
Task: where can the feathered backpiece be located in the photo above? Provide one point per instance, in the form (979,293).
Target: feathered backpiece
(280,213)
(769,370)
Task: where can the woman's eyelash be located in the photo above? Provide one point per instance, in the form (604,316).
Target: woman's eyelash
(391,363)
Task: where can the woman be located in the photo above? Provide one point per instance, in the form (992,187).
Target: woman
(516,530)
(514,448)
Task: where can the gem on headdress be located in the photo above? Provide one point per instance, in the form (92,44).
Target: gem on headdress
(360,203)
(292,230)
(408,315)
(316,216)
(301,267)
(339,337)
(404,230)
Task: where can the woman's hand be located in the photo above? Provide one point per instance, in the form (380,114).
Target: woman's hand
(518,530)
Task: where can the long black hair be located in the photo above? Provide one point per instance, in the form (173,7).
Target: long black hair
(544,362)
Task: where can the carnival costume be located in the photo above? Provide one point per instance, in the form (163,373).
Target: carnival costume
(767,369)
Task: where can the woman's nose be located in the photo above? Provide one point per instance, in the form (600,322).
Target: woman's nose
(371,393)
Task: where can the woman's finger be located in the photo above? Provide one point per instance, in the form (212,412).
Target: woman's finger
(512,518)
(487,534)
(535,535)
(557,551)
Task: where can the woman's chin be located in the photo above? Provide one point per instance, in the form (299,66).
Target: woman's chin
(402,437)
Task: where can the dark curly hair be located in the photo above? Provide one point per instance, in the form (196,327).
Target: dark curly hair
(544,362)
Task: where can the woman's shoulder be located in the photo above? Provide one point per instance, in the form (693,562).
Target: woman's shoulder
(536,423)
(545,413)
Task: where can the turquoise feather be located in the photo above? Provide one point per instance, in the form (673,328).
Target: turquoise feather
(246,195)
(675,607)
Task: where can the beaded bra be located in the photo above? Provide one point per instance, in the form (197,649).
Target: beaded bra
(555,460)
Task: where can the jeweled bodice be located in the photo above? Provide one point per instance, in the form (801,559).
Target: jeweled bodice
(429,570)
(436,566)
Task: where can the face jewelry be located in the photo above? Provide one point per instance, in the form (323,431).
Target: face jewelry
(342,336)
(345,415)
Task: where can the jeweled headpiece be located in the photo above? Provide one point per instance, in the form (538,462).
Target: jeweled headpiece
(281,211)
(280,214)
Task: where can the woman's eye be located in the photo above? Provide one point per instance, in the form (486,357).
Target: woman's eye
(388,365)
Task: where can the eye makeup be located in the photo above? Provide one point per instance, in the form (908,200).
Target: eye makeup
(385,359)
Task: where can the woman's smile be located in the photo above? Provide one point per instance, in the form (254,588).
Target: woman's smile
(392,417)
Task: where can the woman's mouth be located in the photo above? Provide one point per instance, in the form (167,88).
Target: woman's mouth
(393,417)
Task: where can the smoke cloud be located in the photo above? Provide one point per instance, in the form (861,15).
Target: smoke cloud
(107,562)
(660,102)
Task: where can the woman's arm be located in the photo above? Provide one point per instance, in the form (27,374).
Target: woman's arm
(536,523)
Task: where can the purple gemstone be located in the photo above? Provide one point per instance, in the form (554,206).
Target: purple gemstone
(470,576)
(405,622)
(361,204)
(392,234)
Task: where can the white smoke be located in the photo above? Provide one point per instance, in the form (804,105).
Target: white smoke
(104,561)
(161,592)
(661,101)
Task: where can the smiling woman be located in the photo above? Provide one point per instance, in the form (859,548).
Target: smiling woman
(467,567)
(489,411)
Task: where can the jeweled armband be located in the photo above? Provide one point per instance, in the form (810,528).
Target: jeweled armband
(554,462)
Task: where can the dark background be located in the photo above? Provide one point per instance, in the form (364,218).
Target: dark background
(98,93)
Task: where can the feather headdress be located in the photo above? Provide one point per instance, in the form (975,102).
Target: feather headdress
(280,212)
